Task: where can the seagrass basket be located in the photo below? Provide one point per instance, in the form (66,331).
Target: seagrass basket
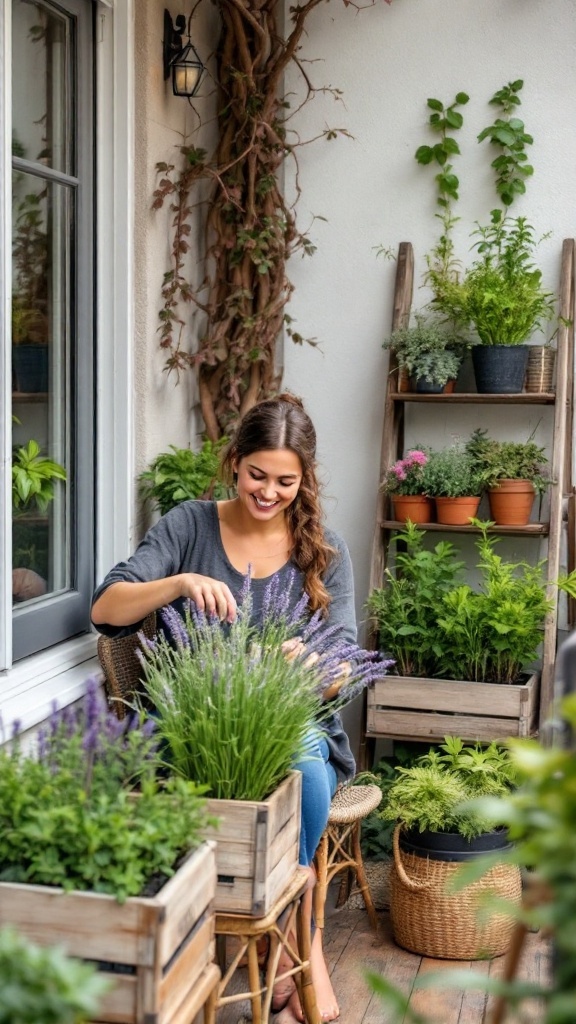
(540,369)
(432,921)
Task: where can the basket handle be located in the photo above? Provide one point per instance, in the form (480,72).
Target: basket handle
(409,883)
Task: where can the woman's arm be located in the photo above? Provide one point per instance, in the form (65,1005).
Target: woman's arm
(125,603)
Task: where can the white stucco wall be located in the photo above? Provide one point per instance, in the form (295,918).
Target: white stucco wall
(387,60)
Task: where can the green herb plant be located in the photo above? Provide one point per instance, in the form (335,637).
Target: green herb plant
(376,832)
(33,477)
(509,135)
(428,349)
(433,626)
(181,474)
(41,985)
(511,460)
(234,705)
(406,608)
(432,794)
(68,813)
(441,263)
(452,473)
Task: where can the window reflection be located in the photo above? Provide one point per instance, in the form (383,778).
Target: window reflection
(42,226)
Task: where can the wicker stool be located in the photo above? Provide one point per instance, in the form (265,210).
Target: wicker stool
(284,920)
(339,848)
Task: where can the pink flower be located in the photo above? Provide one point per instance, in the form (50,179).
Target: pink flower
(417,457)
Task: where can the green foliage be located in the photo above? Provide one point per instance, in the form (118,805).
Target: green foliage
(510,460)
(501,295)
(428,349)
(181,474)
(509,135)
(68,814)
(33,477)
(432,794)
(451,473)
(434,627)
(406,475)
(232,710)
(443,120)
(407,606)
(376,832)
(41,985)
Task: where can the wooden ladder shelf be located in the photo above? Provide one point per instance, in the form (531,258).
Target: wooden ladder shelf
(423,709)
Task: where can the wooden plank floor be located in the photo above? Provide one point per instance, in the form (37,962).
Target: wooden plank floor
(352,948)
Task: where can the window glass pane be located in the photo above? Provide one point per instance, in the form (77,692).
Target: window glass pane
(41,388)
(41,56)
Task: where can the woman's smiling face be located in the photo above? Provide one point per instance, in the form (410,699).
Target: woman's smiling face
(268,481)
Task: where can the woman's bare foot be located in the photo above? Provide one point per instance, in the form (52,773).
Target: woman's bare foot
(326,1001)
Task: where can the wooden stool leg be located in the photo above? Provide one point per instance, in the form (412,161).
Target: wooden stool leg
(305,984)
(361,877)
(254,981)
(321,887)
(209,1012)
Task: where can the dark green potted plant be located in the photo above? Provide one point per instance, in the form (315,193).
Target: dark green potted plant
(435,832)
(181,474)
(451,477)
(429,352)
(34,480)
(513,472)
(501,296)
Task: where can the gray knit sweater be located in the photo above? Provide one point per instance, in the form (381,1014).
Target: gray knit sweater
(187,539)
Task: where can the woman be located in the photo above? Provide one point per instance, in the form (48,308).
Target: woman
(202,550)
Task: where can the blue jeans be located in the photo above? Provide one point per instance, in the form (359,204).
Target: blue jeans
(319,783)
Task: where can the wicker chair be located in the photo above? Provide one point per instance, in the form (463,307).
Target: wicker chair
(339,848)
(121,666)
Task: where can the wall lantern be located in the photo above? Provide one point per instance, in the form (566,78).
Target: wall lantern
(182,62)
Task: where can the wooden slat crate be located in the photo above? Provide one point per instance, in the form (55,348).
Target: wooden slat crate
(257,848)
(153,949)
(405,707)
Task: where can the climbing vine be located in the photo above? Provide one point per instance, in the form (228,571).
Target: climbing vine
(250,231)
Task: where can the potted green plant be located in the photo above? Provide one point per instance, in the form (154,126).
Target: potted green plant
(451,477)
(233,708)
(513,472)
(33,479)
(435,832)
(473,646)
(429,351)
(181,474)
(101,854)
(404,482)
(502,297)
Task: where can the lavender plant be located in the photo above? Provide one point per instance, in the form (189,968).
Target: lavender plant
(236,702)
(68,816)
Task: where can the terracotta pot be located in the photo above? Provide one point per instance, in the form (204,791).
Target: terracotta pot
(511,502)
(456,511)
(416,507)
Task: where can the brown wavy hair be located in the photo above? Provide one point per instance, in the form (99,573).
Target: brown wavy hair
(282,422)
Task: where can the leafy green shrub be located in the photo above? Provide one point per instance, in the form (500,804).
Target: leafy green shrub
(181,474)
(452,473)
(33,477)
(376,833)
(428,349)
(69,816)
(40,985)
(432,793)
(510,460)
(433,627)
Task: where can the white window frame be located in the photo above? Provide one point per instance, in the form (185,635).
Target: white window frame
(29,688)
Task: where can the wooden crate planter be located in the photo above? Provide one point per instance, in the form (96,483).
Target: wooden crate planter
(412,708)
(257,848)
(154,949)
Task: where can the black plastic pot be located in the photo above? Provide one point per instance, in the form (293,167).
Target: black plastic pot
(499,369)
(427,387)
(451,846)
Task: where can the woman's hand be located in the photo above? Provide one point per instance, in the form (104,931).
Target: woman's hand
(294,648)
(211,596)
(337,684)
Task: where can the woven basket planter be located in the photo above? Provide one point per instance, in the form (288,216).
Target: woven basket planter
(430,920)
